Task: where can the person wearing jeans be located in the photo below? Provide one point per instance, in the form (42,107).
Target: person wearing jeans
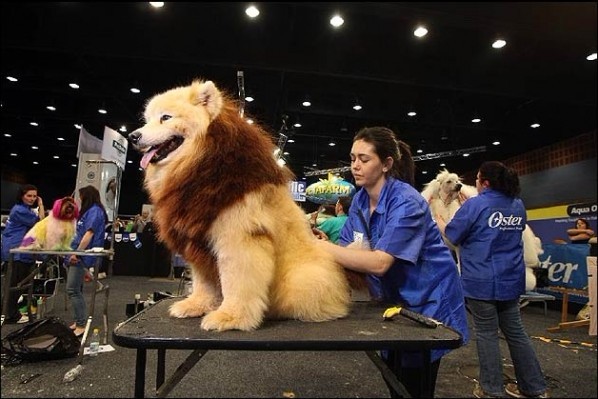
(488,228)
(89,234)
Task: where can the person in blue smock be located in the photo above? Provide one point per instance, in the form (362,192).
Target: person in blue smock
(488,228)
(89,234)
(390,236)
(22,217)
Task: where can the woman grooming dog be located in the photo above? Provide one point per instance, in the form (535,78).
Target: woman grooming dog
(22,218)
(489,230)
(406,260)
(89,234)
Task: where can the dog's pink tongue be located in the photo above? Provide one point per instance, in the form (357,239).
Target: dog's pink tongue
(147,157)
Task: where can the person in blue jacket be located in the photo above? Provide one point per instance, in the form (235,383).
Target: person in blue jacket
(404,256)
(89,234)
(488,228)
(22,217)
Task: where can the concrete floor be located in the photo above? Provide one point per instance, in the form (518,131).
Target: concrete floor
(570,368)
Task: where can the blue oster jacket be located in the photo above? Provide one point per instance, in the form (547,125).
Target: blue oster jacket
(20,220)
(488,229)
(424,277)
(95,221)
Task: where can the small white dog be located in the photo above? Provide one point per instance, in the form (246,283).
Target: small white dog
(445,194)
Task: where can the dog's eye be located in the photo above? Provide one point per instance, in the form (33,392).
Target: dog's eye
(164,118)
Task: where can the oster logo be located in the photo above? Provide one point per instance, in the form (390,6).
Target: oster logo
(511,222)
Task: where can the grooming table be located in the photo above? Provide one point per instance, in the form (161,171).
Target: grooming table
(28,282)
(533,296)
(363,330)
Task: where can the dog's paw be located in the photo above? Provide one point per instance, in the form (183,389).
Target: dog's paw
(221,320)
(189,307)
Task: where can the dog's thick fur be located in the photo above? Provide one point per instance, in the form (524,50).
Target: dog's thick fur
(56,231)
(445,194)
(223,203)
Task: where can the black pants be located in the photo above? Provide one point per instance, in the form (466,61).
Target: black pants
(20,270)
(411,377)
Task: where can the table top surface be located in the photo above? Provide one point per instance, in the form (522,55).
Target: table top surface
(104,252)
(363,329)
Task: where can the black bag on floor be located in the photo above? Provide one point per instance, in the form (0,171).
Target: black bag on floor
(44,339)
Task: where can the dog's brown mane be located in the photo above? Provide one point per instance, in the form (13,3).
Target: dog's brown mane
(191,200)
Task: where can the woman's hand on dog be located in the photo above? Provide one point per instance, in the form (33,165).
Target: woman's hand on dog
(320,235)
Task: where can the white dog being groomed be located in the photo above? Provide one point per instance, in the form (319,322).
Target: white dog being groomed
(445,194)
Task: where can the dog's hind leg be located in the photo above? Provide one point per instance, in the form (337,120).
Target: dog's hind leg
(205,295)
(246,265)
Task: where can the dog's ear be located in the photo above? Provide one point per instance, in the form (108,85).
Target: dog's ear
(430,190)
(207,95)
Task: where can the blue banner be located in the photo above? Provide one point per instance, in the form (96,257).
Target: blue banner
(566,264)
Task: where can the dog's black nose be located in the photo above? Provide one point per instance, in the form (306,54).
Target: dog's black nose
(457,187)
(134,137)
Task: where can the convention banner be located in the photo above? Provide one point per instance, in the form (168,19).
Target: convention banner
(297,189)
(114,147)
(567,268)
(566,265)
(327,191)
(550,224)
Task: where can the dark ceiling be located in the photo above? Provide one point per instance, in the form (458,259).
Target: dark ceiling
(291,51)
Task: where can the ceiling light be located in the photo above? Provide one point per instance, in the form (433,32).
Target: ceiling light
(466,155)
(135,90)
(249,99)
(332,144)
(51,108)
(424,172)
(252,11)
(77,126)
(591,57)
(13,154)
(411,113)
(250,121)
(357,106)
(499,43)
(12,79)
(7,135)
(420,31)
(337,21)
(60,138)
(102,111)
(123,128)
(35,163)
(306,102)
(534,125)
(74,85)
(34,147)
(56,157)
(443,164)
(476,120)
(157,4)
(34,123)
(496,142)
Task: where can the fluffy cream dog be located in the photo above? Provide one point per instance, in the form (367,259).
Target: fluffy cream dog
(222,202)
(445,194)
(56,231)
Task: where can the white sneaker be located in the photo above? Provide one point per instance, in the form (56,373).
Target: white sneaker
(24,319)
(101,275)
